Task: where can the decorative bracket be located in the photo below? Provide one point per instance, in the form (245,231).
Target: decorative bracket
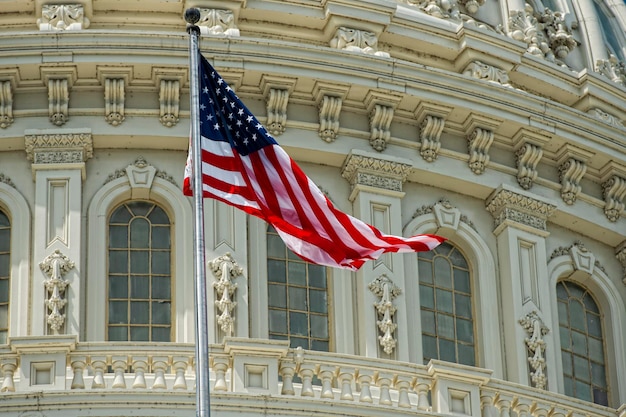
(482,71)
(6,104)
(386,291)
(329,98)
(169,100)
(572,167)
(350,39)
(605,117)
(114,93)
(225,269)
(58,100)
(614,191)
(528,147)
(480,134)
(55,266)
(536,346)
(276,92)
(62,17)
(430,132)
(620,254)
(380,107)
(217,22)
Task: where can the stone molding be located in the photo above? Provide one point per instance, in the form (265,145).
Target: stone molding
(6,180)
(582,258)
(479,134)
(362,169)
(506,205)
(528,146)
(601,115)
(140,173)
(56,146)
(446,215)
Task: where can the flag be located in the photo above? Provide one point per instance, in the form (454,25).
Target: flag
(243,166)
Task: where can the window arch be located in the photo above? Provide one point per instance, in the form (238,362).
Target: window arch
(298,297)
(139,273)
(582,343)
(5,275)
(446,306)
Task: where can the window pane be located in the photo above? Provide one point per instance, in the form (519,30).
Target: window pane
(467,356)
(118,236)
(317,276)
(298,342)
(118,261)
(598,375)
(428,322)
(161,263)
(139,233)
(5,240)
(121,215)
(568,385)
(277,296)
(5,265)
(4,316)
(139,262)
(139,312)
(276,271)
(577,315)
(4,220)
(457,259)
(278,321)
(161,288)
(563,315)
(318,301)
(568,369)
(429,347)
(463,305)
(446,350)
(297,273)
(4,290)
(158,216)
(140,287)
(579,342)
(425,271)
(161,334)
(464,330)
(320,345)
(319,327)
(298,324)
(118,287)
(593,325)
(443,276)
(297,298)
(444,301)
(275,247)
(583,391)
(565,338)
(596,350)
(600,396)
(118,333)
(461,281)
(427,297)
(160,237)
(445,326)
(140,208)
(581,369)
(118,312)
(161,312)
(140,334)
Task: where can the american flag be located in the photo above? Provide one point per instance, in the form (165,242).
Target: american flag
(243,166)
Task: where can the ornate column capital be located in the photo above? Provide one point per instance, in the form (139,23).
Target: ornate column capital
(362,169)
(509,207)
(58,148)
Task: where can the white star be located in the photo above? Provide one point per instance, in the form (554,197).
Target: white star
(202,106)
(216,126)
(217,91)
(205,90)
(245,141)
(209,117)
(220,81)
(240,112)
(230,116)
(259,125)
(232,104)
(249,119)
(228,88)
(239,122)
(254,136)
(225,99)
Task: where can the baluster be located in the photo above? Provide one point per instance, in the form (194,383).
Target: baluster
(306,373)
(99,365)
(159,367)
(540,410)
(365,380)
(119,364)
(8,365)
(140,366)
(402,384)
(521,407)
(486,403)
(221,365)
(383,381)
(287,371)
(325,373)
(422,387)
(558,412)
(503,403)
(180,365)
(78,364)
(345,377)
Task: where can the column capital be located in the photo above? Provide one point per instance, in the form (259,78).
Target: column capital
(52,149)
(380,172)
(514,208)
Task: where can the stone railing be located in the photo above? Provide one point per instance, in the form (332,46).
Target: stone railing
(270,368)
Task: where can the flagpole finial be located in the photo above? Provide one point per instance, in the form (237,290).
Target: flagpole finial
(192,16)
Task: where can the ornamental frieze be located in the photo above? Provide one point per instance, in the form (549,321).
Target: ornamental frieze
(505,205)
(387,174)
(54,147)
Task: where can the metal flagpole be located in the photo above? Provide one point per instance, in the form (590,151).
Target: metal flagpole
(192,16)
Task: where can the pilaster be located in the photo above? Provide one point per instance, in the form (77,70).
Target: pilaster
(376,182)
(521,232)
(58,164)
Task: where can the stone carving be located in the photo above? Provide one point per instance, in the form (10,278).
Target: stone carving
(169,100)
(482,71)
(479,142)
(55,266)
(448,9)
(445,214)
(62,17)
(386,291)
(380,173)
(217,22)
(536,346)
(140,163)
(506,205)
(613,69)
(225,269)
(620,254)
(330,109)
(350,39)
(114,101)
(582,258)
(570,173)
(614,191)
(527,157)
(546,33)
(51,148)
(277,101)
(430,132)
(6,104)
(603,116)
(8,365)
(58,101)
(6,180)
(380,122)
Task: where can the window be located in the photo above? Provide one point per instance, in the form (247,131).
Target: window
(5,268)
(139,273)
(582,344)
(297,297)
(446,306)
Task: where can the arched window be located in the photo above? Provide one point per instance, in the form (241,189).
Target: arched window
(297,297)
(582,344)
(139,273)
(446,306)
(5,275)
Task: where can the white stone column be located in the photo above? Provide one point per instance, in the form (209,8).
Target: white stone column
(58,164)
(376,196)
(590,24)
(521,232)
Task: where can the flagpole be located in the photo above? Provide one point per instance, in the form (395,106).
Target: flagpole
(192,16)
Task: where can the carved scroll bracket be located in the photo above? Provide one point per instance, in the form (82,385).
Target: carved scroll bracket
(386,291)
(225,269)
(480,133)
(380,107)
(55,266)
(277,91)
(613,178)
(528,147)
(329,99)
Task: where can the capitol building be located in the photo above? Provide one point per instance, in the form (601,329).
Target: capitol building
(497,124)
